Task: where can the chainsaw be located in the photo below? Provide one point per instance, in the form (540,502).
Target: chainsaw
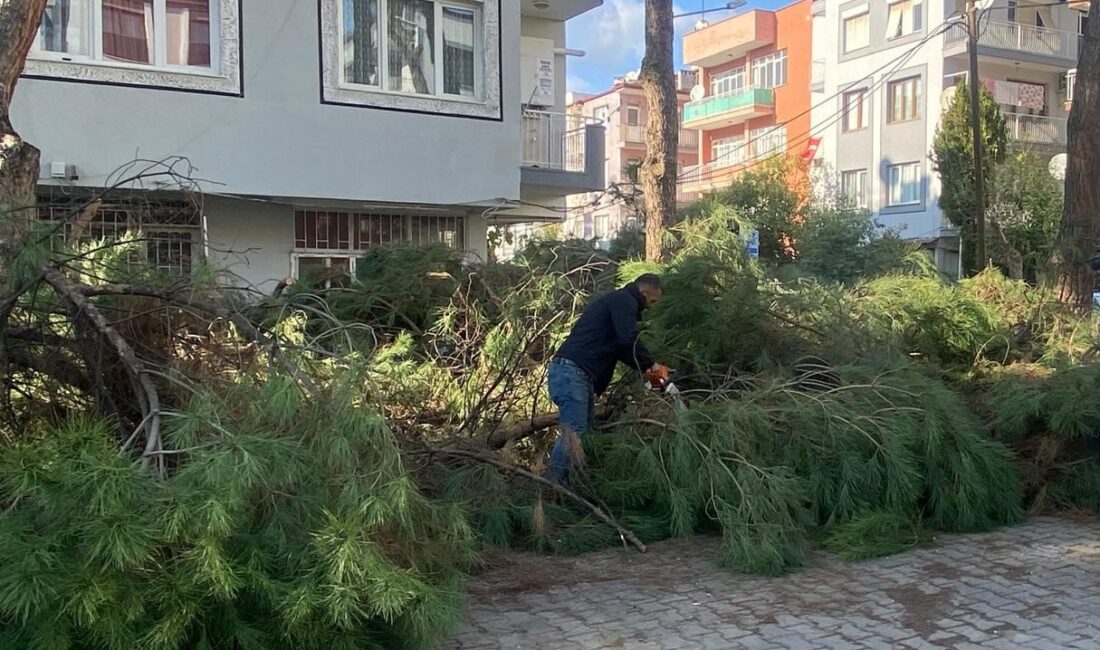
(665,386)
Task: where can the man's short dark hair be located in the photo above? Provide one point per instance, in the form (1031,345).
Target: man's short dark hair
(651,280)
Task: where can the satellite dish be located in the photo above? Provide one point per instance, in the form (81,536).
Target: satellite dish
(1057,167)
(698,92)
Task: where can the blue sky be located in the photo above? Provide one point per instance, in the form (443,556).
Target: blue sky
(613,37)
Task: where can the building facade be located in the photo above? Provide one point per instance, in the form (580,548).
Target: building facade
(315,130)
(623,111)
(752,101)
(885,71)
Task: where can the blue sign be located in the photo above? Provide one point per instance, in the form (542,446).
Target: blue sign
(753,244)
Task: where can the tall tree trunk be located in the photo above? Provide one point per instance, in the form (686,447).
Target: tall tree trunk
(19,20)
(662,133)
(1079,233)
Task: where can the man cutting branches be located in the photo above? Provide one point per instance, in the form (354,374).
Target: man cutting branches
(605,334)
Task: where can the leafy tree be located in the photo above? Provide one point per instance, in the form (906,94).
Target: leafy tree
(953,157)
(1025,208)
(842,245)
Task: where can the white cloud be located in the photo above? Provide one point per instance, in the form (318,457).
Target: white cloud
(613,38)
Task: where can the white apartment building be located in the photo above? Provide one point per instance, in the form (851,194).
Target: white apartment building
(317,129)
(885,69)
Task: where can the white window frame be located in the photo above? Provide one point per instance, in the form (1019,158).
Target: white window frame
(728,82)
(221,77)
(94,36)
(860,107)
(858,197)
(908,21)
(1082,21)
(296,257)
(904,185)
(770,71)
(909,100)
(603,232)
(477,6)
(865,18)
(728,152)
(486,102)
(769,141)
(633,116)
(1012,11)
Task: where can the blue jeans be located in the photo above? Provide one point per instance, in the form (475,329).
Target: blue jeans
(571,390)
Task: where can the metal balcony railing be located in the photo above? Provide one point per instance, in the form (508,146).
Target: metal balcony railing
(635,134)
(1036,129)
(555,140)
(1015,37)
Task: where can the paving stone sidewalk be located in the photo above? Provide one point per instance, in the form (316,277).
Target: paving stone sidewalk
(1033,586)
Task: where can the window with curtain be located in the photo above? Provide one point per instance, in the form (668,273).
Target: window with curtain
(770,71)
(903,100)
(905,184)
(853,185)
(168,33)
(856,113)
(905,17)
(857,32)
(426,47)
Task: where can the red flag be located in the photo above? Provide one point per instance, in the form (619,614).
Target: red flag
(811,149)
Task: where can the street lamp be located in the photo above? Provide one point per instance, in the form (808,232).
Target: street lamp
(734,4)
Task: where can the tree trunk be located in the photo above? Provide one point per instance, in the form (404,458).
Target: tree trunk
(1079,233)
(658,174)
(19,20)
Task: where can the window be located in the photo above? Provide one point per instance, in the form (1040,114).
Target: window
(906,17)
(322,271)
(857,32)
(727,151)
(853,184)
(856,111)
(324,230)
(1011,12)
(603,226)
(170,231)
(601,113)
(728,83)
(633,115)
(1082,23)
(903,98)
(162,33)
(905,184)
(417,47)
(769,141)
(770,71)
(587,226)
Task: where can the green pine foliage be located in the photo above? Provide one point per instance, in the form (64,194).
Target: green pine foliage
(282,524)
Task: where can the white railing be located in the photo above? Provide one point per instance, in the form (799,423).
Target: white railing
(636,133)
(1002,35)
(1036,129)
(555,140)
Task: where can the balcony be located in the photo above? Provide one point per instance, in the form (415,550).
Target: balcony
(1016,42)
(562,154)
(817,76)
(1036,129)
(728,109)
(635,134)
(728,39)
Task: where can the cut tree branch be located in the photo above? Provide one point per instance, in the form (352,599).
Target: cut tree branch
(605,517)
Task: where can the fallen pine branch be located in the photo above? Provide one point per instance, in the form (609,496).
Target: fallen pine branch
(520,430)
(605,517)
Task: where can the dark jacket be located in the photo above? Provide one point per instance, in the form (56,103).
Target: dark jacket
(605,333)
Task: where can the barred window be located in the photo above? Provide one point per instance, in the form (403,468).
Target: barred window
(170,229)
(346,231)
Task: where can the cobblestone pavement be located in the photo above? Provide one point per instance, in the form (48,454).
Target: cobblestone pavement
(1033,586)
